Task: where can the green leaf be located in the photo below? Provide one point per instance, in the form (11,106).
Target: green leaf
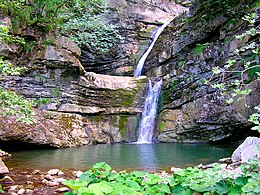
(164,188)
(235,190)
(100,188)
(102,165)
(86,191)
(221,187)
(75,184)
(178,190)
(183,172)
(133,184)
(202,187)
(69,193)
(154,179)
(240,181)
(112,176)
(139,173)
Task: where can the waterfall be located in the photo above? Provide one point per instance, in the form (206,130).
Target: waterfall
(146,127)
(140,64)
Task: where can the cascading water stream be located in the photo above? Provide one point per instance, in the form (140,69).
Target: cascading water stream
(146,126)
(140,64)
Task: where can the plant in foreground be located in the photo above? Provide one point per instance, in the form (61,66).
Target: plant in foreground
(102,180)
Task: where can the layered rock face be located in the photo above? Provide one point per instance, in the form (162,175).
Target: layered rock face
(81,107)
(184,56)
(136,21)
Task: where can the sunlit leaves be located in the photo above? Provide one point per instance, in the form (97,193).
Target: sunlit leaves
(12,104)
(255,119)
(187,182)
(241,70)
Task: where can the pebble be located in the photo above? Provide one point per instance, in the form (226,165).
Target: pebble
(30,187)
(28,176)
(78,173)
(28,191)
(53,172)
(60,180)
(21,191)
(49,177)
(50,183)
(42,177)
(225,160)
(60,173)
(36,171)
(63,189)
(29,182)
(13,188)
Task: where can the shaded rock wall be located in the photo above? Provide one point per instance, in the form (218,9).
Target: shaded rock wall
(190,110)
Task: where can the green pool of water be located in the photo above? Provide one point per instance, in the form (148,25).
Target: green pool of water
(148,157)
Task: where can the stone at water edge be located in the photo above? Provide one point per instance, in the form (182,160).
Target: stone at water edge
(175,169)
(53,172)
(248,149)
(3,168)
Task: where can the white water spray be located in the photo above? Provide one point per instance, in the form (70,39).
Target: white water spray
(139,67)
(146,126)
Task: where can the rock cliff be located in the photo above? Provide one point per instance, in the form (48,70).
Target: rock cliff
(192,111)
(89,97)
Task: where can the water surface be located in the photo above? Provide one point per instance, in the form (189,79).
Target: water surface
(148,157)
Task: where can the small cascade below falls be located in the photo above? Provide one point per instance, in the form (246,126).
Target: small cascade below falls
(146,127)
(140,64)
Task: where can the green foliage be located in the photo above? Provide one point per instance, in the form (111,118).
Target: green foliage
(1,189)
(56,92)
(83,21)
(92,29)
(199,48)
(35,13)
(6,38)
(6,68)
(251,172)
(12,104)
(42,101)
(102,180)
(255,119)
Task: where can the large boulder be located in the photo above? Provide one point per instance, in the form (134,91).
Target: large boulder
(249,149)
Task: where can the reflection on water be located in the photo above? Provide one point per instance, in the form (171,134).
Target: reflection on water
(149,157)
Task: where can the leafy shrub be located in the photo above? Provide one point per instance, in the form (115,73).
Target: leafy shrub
(12,104)
(92,29)
(244,66)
